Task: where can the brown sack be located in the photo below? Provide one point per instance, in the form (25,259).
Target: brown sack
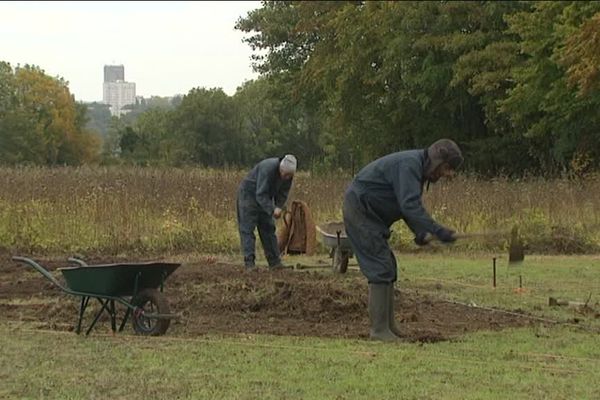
(298,234)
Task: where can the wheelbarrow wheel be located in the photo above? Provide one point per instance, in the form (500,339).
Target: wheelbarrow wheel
(153,302)
(340,260)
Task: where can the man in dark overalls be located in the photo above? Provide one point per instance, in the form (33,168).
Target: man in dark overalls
(260,199)
(385,191)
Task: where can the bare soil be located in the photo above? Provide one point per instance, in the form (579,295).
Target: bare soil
(219,298)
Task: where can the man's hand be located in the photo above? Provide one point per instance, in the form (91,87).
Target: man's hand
(277,212)
(445,235)
(421,239)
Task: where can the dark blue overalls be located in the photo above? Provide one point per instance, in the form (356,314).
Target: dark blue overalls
(383,192)
(260,192)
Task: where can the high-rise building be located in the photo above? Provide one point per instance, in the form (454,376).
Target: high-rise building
(118,95)
(116,92)
(113,73)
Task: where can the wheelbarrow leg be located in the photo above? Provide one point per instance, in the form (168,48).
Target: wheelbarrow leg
(113,316)
(125,318)
(340,256)
(105,304)
(135,291)
(84,302)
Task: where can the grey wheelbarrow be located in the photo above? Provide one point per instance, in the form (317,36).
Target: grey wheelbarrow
(333,235)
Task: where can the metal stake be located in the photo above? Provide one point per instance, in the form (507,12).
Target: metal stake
(494,271)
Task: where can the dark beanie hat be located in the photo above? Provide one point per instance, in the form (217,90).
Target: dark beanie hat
(444,151)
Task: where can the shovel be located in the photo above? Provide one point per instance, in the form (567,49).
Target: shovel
(516,252)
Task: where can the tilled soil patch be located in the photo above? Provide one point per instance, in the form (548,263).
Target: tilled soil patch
(222,298)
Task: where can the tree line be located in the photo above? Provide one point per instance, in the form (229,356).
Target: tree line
(515,83)
(40,121)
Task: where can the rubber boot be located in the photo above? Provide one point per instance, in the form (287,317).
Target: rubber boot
(379,312)
(393,326)
(278,267)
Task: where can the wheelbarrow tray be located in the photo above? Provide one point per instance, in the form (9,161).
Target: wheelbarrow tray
(117,279)
(333,235)
(329,235)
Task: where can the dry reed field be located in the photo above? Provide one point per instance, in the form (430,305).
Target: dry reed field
(118,210)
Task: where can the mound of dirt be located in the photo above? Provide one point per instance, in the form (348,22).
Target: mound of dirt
(222,298)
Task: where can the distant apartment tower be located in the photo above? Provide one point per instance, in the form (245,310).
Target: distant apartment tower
(113,73)
(116,92)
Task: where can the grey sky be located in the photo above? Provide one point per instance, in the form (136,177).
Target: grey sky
(167,48)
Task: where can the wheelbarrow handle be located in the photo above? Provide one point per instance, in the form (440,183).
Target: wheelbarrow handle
(41,270)
(77,261)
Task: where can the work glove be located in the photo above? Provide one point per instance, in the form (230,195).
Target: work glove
(421,239)
(445,235)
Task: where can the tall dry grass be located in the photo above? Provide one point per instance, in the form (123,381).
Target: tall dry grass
(151,211)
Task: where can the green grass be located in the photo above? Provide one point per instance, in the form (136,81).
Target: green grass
(549,362)
(469,280)
(516,363)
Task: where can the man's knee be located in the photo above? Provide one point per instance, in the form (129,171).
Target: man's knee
(266,226)
(246,230)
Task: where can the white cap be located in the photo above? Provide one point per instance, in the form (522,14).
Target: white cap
(288,164)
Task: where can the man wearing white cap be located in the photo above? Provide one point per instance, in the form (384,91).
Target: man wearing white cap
(260,199)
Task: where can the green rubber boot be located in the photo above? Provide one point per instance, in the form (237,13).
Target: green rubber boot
(393,326)
(379,312)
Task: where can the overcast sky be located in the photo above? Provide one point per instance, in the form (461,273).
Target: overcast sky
(167,48)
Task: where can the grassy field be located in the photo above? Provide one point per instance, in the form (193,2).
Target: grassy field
(540,277)
(561,365)
(181,213)
(550,361)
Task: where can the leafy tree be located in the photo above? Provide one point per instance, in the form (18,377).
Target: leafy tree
(40,121)
(207,124)
(498,77)
(260,125)
(99,118)
(288,32)
(154,129)
(581,56)
(542,104)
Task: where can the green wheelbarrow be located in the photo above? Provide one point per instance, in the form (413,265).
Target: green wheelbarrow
(137,286)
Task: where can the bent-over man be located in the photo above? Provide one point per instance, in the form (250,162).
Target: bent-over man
(383,192)
(260,200)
